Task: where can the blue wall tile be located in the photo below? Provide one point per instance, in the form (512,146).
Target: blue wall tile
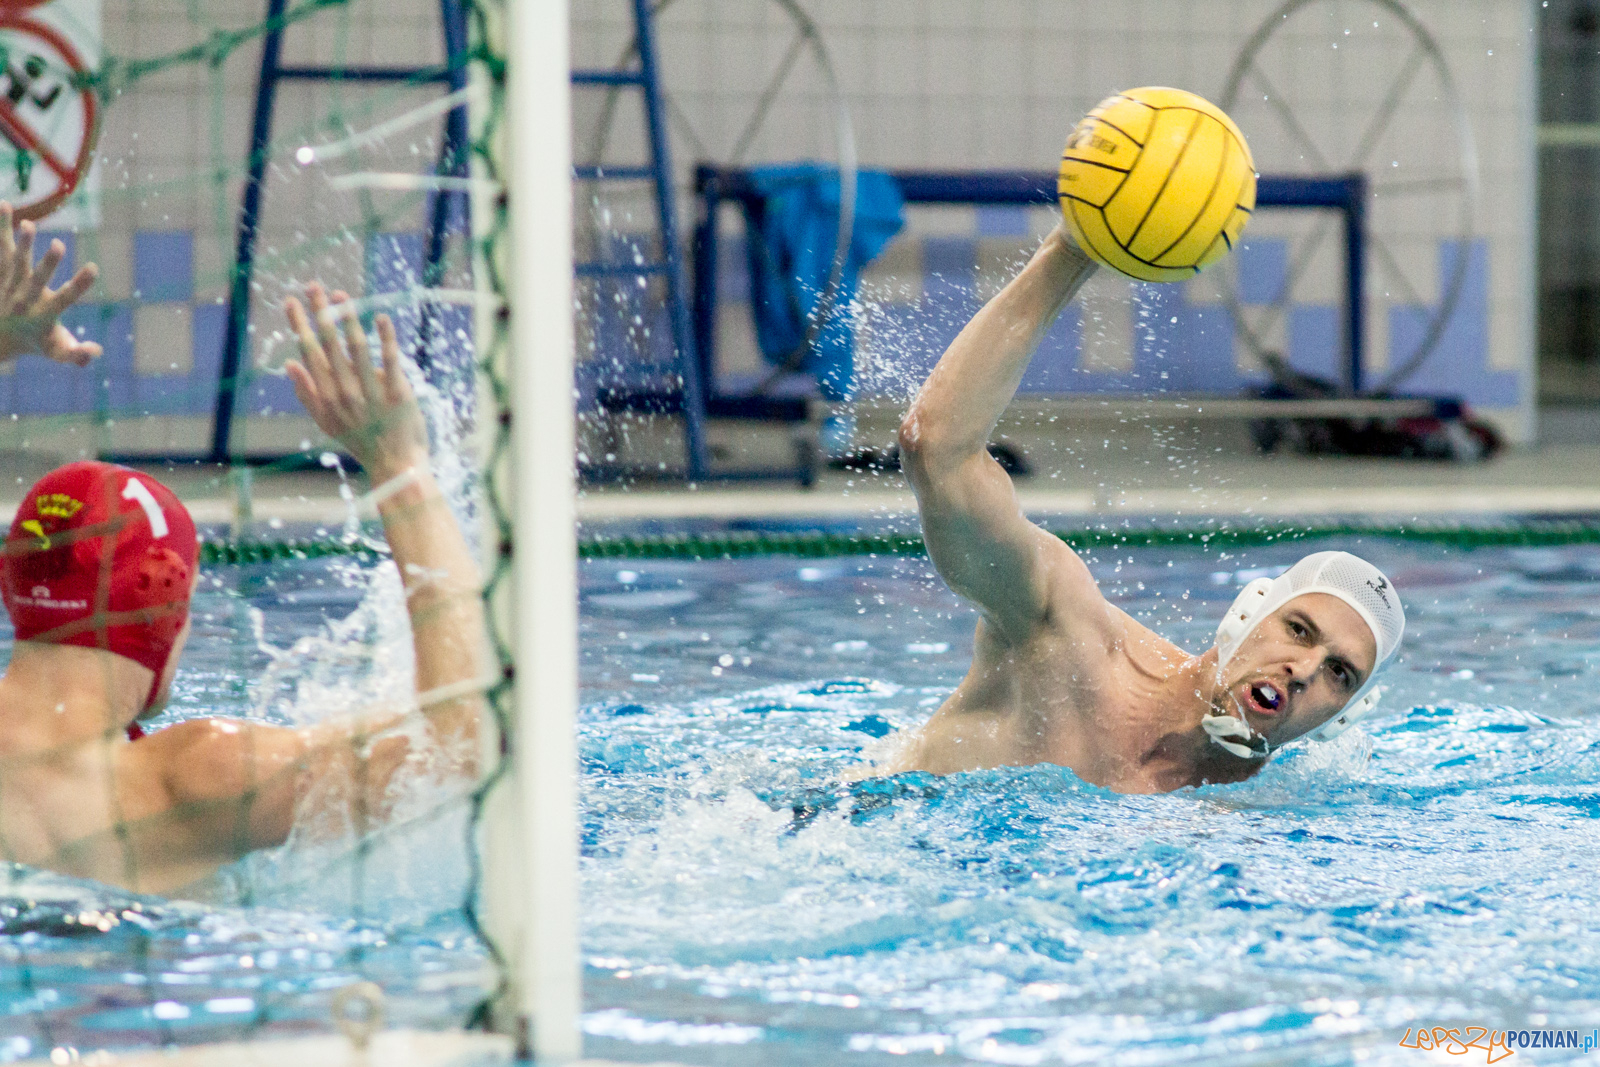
(163,265)
(394,264)
(40,387)
(1180,347)
(904,335)
(1263,265)
(1459,363)
(272,394)
(950,272)
(1158,346)
(1003,220)
(111,327)
(394,261)
(449,349)
(1316,341)
(1210,365)
(46,388)
(1193,345)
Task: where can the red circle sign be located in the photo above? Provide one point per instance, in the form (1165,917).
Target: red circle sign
(46,113)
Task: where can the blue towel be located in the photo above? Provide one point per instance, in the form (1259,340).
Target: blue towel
(800,227)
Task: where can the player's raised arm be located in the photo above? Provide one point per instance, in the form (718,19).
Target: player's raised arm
(372,412)
(241,781)
(975,530)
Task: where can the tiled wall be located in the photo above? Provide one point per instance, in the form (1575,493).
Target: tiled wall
(928,83)
(170,165)
(998,83)
(163,346)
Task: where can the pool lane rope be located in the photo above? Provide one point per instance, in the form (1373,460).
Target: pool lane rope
(1532,531)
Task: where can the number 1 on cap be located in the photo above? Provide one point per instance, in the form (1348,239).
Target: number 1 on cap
(137,491)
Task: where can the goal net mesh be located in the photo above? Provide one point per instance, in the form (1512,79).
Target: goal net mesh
(358,165)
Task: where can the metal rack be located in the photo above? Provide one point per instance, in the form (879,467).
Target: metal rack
(689,399)
(1345,193)
(452,162)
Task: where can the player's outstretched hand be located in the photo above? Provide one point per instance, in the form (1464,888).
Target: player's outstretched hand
(369,410)
(30,311)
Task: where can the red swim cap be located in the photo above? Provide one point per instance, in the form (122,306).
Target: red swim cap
(101,556)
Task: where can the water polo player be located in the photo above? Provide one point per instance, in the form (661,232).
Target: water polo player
(1061,675)
(97,573)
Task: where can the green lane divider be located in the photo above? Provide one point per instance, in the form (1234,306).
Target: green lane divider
(745,544)
(742,545)
(213,553)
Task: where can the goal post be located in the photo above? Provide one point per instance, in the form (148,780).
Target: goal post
(526,426)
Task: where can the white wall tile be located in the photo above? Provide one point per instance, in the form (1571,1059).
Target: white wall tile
(931,83)
(163,339)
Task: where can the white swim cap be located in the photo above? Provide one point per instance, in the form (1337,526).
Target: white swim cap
(1351,579)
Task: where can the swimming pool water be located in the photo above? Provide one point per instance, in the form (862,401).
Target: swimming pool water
(1024,917)
(85,967)
(1436,868)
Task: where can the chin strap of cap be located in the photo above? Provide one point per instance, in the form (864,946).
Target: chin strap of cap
(1232,732)
(1356,710)
(1222,729)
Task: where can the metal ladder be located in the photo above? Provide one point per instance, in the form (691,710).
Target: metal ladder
(452,161)
(688,400)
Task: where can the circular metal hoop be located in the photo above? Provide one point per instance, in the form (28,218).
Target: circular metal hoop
(358,1010)
(1462,185)
(807,39)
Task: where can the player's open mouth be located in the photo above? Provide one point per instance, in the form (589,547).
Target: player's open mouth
(1263,698)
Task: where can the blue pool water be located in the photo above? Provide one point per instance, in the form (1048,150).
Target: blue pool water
(83,967)
(1440,869)
(1436,868)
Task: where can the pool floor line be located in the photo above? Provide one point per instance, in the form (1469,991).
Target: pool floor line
(1398,501)
(620,506)
(1129,475)
(390,1048)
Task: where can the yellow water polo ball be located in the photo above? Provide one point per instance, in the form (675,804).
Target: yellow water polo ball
(1156,183)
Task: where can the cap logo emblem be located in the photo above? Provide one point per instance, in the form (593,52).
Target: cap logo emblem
(1378,587)
(35,527)
(57,505)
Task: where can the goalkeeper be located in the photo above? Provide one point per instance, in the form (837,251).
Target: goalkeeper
(97,573)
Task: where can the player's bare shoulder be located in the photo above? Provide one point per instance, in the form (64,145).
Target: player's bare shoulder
(211,759)
(1144,649)
(1076,609)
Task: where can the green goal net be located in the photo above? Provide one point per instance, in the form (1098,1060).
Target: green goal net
(213,162)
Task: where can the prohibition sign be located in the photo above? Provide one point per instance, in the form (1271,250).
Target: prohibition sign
(43,115)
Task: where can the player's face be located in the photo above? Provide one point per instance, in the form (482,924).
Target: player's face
(1297,669)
